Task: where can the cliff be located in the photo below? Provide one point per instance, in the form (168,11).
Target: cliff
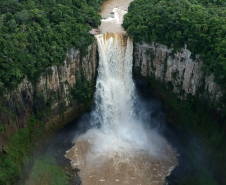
(49,98)
(181,74)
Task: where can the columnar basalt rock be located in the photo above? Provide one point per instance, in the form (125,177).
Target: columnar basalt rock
(176,68)
(52,89)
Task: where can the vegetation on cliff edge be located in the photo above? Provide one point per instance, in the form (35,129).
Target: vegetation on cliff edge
(200,24)
(35,34)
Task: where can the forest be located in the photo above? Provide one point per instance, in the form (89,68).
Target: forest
(33,36)
(37,34)
(199,24)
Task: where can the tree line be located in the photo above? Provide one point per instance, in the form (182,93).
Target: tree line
(200,24)
(35,34)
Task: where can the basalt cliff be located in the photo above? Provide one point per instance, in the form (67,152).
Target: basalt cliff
(179,72)
(50,94)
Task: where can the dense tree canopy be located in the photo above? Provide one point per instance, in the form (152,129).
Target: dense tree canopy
(200,24)
(35,34)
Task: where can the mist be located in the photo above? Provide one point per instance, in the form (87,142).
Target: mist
(120,120)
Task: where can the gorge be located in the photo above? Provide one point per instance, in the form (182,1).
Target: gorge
(124,139)
(124,150)
(120,147)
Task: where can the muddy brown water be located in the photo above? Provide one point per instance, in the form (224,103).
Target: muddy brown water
(112,12)
(121,168)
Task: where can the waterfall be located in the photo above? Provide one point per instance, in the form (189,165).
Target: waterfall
(120,148)
(118,117)
(115,94)
(114,97)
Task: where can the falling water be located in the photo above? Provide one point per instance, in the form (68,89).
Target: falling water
(120,148)
(114,97)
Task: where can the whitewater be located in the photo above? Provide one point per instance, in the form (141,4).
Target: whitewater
(121,147)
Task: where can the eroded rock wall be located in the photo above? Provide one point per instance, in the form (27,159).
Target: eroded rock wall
(180,73)
(52,89)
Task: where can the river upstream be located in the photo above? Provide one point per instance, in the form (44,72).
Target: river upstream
(122,146)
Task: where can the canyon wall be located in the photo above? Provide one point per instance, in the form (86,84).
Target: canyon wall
(49,98)
(177,70)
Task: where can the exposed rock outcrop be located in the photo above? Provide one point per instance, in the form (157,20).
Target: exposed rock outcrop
(52,90)
(178,70)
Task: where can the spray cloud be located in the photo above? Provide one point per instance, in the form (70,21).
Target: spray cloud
(121,126)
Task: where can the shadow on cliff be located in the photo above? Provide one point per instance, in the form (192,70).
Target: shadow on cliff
(194,164)
(193,168)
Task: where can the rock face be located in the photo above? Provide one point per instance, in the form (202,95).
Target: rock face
(52,91)
(179,72)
